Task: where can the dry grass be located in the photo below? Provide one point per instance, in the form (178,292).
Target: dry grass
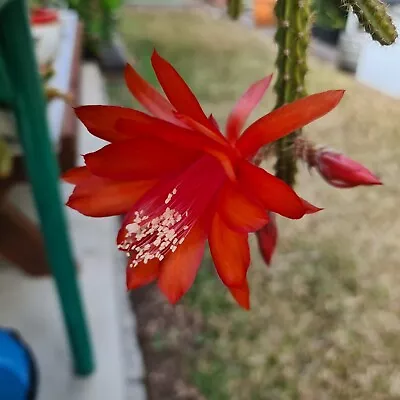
(325,320)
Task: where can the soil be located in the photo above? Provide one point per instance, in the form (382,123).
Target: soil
(166,334)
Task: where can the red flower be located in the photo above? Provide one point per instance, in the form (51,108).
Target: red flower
(341,171)
(267,238)
(181,182)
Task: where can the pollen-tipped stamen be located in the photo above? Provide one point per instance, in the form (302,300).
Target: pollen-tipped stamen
(164,217)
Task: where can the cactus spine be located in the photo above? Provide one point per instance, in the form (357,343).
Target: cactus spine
(373,16)
(292,37)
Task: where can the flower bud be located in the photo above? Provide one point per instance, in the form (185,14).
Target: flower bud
(336,168)
(341,171)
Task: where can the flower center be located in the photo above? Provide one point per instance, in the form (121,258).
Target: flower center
(163,218)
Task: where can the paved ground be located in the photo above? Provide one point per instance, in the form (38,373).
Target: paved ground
(31,306)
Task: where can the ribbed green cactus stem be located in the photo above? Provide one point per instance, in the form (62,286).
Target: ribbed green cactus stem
(373,16)
(235,8)
(292,37)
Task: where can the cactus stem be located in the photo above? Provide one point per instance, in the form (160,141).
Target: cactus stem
(294,21)
(373,16)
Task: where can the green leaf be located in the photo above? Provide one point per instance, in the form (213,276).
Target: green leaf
(111,4)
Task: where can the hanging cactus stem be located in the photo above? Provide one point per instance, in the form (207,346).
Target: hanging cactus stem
(292,37)
(373,16)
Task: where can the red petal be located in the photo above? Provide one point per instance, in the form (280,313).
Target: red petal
(267,238)
(310,208)
(214,122)
(143,274)
(225,156)
(138,159)
(91,183)
(76,175)
(245,105)
(274,194)
(242,295)
(168,132)
(177,91)
(147,96)
(179,269)
(286,119)
(239,211)
(197,126)
(101,120)
(104,199)
(230,252)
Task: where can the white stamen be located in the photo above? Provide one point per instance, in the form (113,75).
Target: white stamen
(154,237)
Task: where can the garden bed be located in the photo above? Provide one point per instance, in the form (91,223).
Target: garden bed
(167,335)
(325,319)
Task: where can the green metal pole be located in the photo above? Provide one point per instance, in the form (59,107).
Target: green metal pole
(42,169)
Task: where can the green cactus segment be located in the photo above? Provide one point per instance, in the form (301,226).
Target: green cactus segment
(292,37)
(235,8)
(373,16)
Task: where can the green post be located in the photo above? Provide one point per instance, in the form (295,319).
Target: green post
(42,169)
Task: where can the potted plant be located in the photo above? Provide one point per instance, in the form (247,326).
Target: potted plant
(46,31)
(5,159)
(330,20)
(263,12)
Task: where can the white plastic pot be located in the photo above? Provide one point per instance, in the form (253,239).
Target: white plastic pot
(46,32)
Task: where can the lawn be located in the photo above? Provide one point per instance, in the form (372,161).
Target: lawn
(325,318)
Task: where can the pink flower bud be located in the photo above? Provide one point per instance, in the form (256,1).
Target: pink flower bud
(267,238)
(337,169)
(341,171)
